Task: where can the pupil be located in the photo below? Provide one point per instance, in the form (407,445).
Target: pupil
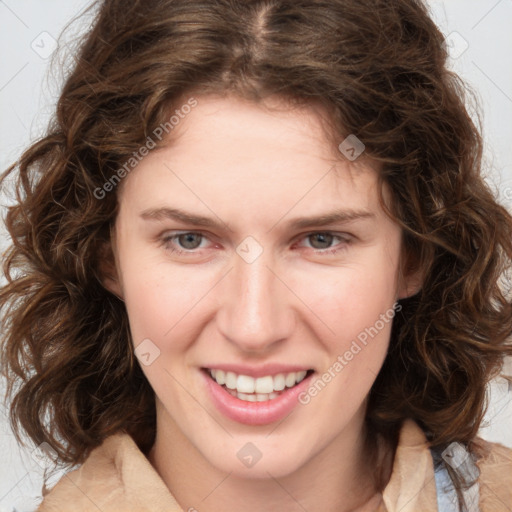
(188,238)
(325,238)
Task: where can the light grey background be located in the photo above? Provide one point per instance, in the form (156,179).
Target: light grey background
(478,34)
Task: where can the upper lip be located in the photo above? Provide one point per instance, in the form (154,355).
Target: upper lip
(259,371)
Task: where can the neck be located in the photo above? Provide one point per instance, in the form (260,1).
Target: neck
(338,479)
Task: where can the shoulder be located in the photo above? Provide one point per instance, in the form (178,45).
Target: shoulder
(115,477)
(495,482)
(413,484)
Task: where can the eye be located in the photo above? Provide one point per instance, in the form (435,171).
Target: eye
(190,242)
(183,243)
(322,242)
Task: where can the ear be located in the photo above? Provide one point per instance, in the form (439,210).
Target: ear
(409,285)
(411,275)
(108,266)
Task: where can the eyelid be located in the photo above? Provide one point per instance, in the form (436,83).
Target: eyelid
(339,234)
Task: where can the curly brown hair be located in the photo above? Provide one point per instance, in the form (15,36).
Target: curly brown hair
(380,67)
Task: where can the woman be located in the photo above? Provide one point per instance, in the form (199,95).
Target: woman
(178,326)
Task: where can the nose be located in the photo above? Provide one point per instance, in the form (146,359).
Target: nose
(255,311)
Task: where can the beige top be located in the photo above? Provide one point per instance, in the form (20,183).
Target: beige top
(118,477)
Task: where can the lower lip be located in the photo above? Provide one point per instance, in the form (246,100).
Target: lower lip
(255,413)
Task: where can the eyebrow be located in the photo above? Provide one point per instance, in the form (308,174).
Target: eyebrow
(336,216)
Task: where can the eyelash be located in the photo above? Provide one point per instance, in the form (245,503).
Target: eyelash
(344,240)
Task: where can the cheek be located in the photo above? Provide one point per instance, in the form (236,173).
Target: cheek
(349,299)
(358,310)
(150,291)
(161,299)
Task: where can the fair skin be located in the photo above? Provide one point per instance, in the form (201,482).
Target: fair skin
(253,171)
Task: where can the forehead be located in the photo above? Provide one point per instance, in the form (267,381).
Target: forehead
(277,123)
(226,149)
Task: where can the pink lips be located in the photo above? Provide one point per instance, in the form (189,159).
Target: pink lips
(256,413)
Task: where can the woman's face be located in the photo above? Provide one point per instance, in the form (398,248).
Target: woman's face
(247,247)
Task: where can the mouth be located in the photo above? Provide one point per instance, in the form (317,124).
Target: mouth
(256,400)
(260,389)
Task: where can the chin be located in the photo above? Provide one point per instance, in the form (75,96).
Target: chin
(267,462)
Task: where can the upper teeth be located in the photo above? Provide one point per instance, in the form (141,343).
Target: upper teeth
(267,384)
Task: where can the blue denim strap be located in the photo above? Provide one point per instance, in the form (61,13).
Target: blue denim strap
(447,500)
